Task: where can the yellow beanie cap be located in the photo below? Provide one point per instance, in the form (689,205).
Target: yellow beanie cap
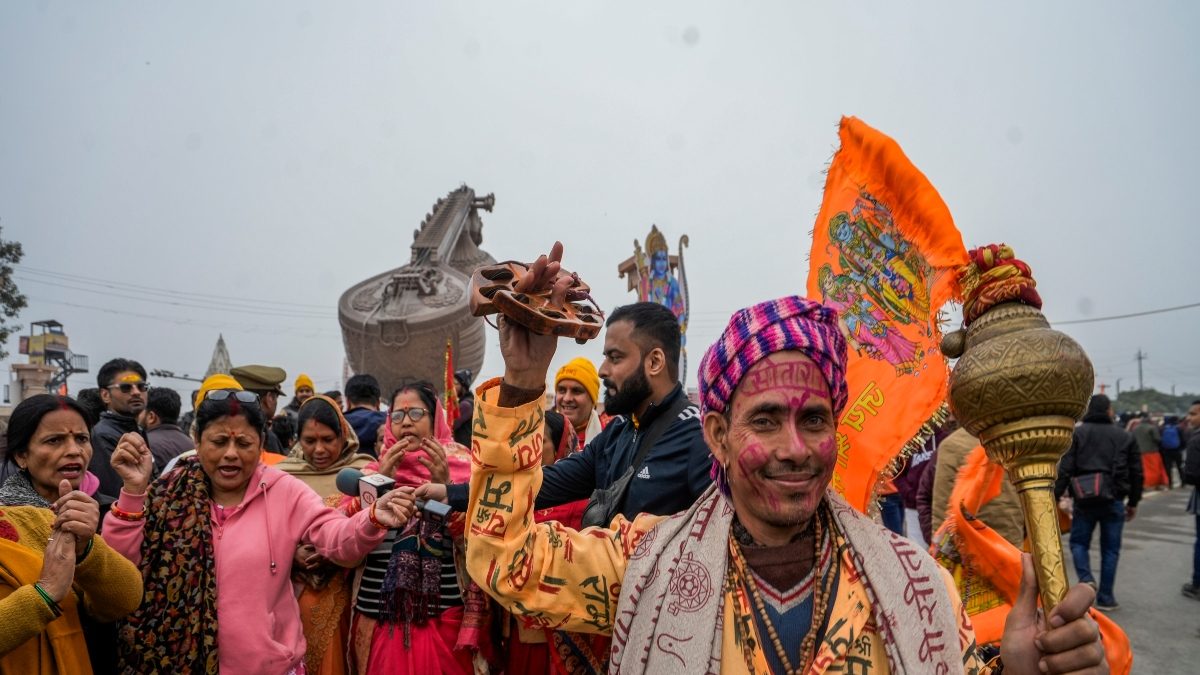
(582,371)
(304,381)
(214,382)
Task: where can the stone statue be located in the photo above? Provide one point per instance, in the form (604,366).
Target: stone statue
(653,274)
(395,324)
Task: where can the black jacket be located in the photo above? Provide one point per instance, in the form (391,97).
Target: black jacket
(1191,466)
(1099,446)
(111,427)
(167,441)
(674,473)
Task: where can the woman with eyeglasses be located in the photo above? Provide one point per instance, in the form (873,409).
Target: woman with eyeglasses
(215,540)
(416,610)
(326,445)
(54,571)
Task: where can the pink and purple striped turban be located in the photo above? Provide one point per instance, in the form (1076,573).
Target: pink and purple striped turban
(791,323)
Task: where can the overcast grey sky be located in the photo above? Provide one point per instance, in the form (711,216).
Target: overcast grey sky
(283,151)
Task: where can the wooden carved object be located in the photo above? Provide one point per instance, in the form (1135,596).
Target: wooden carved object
(493,291)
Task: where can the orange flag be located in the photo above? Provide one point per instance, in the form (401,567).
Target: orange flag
(884,254)
(987,568)
(450,401)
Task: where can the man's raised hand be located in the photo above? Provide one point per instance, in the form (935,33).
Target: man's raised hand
(527,355)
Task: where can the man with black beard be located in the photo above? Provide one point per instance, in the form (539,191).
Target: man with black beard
(640,375)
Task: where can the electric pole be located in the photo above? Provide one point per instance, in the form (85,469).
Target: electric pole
(1140,357)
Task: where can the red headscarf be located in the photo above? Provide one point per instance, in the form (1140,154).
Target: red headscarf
(411,472)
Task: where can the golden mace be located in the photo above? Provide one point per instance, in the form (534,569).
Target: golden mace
(1019,386)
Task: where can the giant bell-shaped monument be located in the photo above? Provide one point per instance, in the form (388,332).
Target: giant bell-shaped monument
(395,324)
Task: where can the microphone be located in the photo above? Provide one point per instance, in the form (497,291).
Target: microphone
(370,487)
(347,481)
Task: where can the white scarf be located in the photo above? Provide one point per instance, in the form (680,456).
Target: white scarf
(669,617)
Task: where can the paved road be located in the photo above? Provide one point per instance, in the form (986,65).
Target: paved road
(1156,559)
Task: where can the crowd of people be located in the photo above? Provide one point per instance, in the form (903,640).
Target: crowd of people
(1113,459)
(626,528)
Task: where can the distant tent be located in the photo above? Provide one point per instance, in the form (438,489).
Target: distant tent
(220,362)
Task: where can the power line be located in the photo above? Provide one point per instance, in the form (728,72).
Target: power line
(1127,316)
(121,285)
(700,320)
(236,327)
(259,311)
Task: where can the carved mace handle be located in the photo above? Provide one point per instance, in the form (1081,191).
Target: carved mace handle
(1019,386)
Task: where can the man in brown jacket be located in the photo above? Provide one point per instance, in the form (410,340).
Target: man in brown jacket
(1003,514)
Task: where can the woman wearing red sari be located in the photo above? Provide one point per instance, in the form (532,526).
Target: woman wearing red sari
(415,610)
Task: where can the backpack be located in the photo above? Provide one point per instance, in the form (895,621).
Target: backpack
(1170,437)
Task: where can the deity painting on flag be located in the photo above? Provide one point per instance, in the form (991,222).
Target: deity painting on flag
(884,253)
(881,281)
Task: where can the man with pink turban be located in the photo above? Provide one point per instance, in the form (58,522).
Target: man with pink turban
(769,571)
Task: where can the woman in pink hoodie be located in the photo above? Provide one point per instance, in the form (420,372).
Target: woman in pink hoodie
(214,540)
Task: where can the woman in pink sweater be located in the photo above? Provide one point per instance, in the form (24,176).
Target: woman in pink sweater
(214,540)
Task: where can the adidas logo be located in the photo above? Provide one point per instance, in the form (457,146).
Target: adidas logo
(644,473)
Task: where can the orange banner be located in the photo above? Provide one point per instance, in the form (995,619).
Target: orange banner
(884,254)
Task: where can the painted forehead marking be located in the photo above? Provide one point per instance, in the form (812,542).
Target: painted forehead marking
(770,375)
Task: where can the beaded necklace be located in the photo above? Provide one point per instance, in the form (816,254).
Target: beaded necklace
(821,591)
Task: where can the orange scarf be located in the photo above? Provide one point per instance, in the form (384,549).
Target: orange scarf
(987,568)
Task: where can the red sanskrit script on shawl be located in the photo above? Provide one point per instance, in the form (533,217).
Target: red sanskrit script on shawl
(921,583)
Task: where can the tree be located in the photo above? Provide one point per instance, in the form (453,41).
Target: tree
(1153,400)
(11,299)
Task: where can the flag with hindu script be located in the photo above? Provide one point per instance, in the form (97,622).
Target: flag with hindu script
(450,400)
(884,254)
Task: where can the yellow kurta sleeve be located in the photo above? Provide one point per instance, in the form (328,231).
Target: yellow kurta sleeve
(547,575)
(23,614)
(111,586)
